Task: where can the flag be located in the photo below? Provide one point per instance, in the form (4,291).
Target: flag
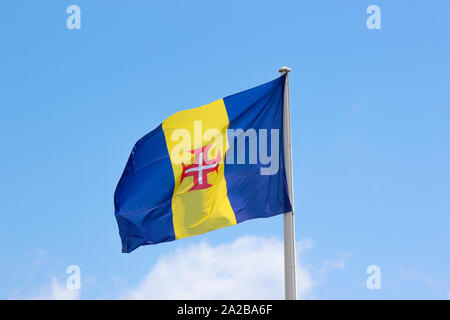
(206,168)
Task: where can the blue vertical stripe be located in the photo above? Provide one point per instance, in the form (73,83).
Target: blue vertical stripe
(143,195)
(251,194)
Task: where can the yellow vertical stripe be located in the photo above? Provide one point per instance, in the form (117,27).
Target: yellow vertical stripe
(196,211)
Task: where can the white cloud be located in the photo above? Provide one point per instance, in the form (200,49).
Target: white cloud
(408,274)
(339,263)
(57,291)
(248,268)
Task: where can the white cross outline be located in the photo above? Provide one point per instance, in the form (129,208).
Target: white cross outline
(200,168)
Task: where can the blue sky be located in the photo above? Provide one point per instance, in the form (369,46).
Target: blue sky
(371,137)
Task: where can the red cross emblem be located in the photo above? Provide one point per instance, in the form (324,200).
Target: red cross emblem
(200,168)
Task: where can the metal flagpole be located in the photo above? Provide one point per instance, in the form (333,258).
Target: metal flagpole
(290,282)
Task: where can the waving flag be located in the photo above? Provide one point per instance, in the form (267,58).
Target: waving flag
(206,168)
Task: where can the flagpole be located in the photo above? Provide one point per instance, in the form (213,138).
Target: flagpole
(290,283)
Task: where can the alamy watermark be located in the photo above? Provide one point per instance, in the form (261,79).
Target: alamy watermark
(236,146)
(373,282)
(74,20)
(74,280)
(374,20)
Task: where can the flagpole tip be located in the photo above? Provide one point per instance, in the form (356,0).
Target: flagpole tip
(284,70)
